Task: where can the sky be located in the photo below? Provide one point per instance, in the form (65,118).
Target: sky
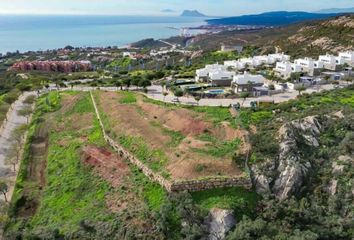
(155,7)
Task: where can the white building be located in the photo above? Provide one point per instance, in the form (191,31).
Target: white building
(278,57)
(221,78)
(216,74)
(347,57)
(260,60)
(283,69)
(329,61)
(237,65)
(309,66)
(203,73)
(246,82)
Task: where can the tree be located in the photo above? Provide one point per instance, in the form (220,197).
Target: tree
(13,155)
(127,82)
(197,99)
(17,134)
(135,81)
(300,88)
(244,95)
(118,84)
(4,188)
(178,92)
(164,95)
(144,83)
(25,112)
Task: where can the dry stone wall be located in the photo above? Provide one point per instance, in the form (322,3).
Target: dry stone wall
(173,186)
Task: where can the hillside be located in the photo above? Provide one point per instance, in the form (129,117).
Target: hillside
(306,39)
(319,37)
(271,18)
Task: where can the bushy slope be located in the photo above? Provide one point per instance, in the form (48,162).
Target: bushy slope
(271,18)
(317,38)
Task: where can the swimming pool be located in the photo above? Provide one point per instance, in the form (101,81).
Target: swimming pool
(215,91)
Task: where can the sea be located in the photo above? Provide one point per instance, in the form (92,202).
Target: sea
(32,33)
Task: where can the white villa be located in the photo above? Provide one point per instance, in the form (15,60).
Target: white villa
(285,69)
(347,57)
(257,61)
(216,74)
(246,82)
(330,62)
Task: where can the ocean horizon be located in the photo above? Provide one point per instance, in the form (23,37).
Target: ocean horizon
(42,32)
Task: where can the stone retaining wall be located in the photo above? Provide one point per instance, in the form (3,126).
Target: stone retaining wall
(173,186)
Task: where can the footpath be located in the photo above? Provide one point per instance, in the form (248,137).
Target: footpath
(13,121)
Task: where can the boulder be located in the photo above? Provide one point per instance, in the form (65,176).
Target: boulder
(219,222)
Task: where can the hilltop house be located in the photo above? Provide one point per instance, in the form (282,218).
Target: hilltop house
(215,74)
(221,78)
(330,62)
(278,57)
(237,65)
(285,69)
(246,82)
(347,57)
(228,48)
(309,66)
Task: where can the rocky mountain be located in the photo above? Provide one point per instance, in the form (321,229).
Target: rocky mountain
(192,13)
(271,18)
(314,38)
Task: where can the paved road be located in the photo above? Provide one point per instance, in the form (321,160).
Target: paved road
(156,92)
(14,120)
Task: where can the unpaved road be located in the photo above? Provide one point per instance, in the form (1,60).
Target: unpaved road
(13,121)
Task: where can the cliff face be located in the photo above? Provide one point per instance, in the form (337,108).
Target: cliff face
(285,175)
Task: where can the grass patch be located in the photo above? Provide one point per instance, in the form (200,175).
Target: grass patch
(155,158)
(127,97)
(217,148)
(242,201)
(176,136)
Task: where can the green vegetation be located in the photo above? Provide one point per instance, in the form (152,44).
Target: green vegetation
(242,201)
(73,200)
(155,158)
(127,98)
(312,213)
(217,148)
(176,137)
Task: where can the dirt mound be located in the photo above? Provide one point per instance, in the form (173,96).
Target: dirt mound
(181,120)
(106,164)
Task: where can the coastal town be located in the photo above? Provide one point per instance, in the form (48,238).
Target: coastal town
(240,132)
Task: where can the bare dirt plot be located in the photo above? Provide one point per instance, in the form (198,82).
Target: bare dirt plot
(158,126)
(107,165)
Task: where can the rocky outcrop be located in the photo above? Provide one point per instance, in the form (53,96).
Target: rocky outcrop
(219,222)
(286,174)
